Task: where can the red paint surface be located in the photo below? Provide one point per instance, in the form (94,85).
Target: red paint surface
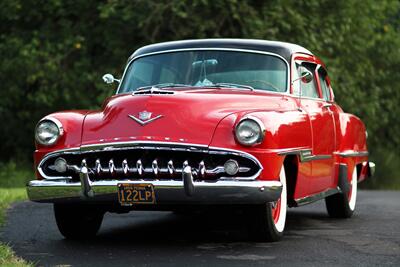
(208,117)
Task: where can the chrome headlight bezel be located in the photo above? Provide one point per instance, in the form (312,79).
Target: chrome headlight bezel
(259,133)
(58,131)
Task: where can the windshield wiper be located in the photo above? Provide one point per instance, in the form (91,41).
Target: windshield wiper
(162,85)
(231,85)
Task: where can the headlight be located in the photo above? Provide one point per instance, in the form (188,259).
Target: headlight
(250,131)
(48,131)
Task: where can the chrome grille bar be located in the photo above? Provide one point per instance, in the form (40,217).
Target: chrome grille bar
(111,167)
(139,167)
(125,167)
(171,169)
(154,166)
(202,168)
(97,166)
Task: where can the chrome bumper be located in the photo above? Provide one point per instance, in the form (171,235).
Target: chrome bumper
(167,192)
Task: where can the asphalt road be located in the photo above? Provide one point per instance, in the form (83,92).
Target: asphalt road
(370,238)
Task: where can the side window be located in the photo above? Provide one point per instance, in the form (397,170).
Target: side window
(308,89)
(324,84)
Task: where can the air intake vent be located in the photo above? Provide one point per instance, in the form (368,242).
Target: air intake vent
(153,91)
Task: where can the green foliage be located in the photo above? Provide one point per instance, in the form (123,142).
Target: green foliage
(8,258)
(54,52)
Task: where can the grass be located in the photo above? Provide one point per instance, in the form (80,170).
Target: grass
(12,189)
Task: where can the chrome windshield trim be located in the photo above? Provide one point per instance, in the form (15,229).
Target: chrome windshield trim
(215,49)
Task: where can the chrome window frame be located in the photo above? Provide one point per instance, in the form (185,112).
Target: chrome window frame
(216,49)
(316,85)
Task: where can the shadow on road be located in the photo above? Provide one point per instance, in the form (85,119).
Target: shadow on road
(369,238)
(167,228)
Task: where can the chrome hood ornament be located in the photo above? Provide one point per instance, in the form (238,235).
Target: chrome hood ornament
(144,117)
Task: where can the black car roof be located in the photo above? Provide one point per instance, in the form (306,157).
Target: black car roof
(281,48)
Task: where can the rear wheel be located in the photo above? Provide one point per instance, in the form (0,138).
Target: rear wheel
(342,205)
(78,221)
(268,220)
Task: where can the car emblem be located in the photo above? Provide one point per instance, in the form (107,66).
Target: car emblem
(144,117)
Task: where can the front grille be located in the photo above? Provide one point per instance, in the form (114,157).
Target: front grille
(152,162)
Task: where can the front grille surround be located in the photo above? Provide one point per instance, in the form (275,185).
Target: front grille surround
(150,162)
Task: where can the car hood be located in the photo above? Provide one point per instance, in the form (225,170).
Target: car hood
(189,116)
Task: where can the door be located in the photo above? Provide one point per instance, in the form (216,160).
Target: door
(323,131)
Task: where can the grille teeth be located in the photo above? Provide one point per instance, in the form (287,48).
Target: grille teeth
(97,166)
(139,167)
(125,167)
(154,166)
(171,169)
(111,166)
(202,168)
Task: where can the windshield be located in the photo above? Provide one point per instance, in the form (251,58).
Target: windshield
(207,69)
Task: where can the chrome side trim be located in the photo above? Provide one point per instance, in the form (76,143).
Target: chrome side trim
(316,197)
(352,153)
(304,155)
(214,49)
(167,192)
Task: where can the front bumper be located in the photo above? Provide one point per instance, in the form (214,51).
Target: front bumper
(167,192)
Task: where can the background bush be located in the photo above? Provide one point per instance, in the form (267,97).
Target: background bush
(54,52)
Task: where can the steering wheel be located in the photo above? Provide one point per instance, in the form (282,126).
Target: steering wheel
(266,83)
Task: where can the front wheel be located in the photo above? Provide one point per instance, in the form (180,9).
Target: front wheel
(76,221)
(268,220)
(342,205)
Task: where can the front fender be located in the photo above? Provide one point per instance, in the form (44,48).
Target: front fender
(284,131)
(72,122)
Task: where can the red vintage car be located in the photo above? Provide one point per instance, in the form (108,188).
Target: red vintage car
(222,122)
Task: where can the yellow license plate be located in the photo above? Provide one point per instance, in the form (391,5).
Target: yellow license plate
(131,194)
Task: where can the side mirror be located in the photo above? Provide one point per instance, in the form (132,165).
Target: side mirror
(109,79)
(306,76)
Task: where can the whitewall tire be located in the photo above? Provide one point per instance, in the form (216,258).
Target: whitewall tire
(342,205)
(268,220)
